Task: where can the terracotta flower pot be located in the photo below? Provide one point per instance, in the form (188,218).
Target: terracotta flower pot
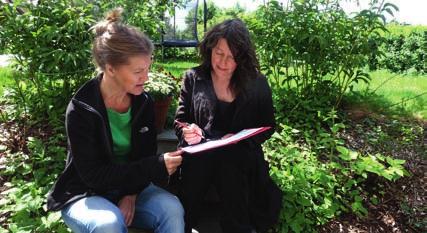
(160,112)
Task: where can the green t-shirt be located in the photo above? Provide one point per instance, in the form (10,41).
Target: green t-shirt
(121,132)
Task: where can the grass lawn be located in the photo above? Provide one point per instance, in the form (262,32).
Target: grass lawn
(398,93)
(6,78)
(177,68)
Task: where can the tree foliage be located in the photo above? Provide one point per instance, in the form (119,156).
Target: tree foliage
(146,15)
(312,45)
(51,45)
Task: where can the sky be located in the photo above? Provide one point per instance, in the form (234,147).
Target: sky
(410,11)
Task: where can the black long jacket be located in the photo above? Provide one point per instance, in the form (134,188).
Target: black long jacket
(90,169)
(254,108)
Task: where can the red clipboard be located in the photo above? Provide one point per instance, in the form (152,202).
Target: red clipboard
(241,135)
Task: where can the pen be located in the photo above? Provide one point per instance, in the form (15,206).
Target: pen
(181,124)
(185,124)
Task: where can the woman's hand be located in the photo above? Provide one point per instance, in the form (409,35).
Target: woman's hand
(192,134)
(127,207)
(172,160)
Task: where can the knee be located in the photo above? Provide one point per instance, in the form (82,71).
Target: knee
(109,223)
(171,218)
(172,208)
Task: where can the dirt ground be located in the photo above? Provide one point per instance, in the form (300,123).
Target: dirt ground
(403,205)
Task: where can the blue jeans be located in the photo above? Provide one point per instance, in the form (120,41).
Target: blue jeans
(155,209)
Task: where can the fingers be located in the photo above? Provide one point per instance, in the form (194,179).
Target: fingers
(172,160)
(127,207)
(131,213)
(196,129)
(193,140)
(129,217)
(175,153)
(188,131)
(192,134)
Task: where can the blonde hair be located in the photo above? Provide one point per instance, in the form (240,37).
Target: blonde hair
(115,42)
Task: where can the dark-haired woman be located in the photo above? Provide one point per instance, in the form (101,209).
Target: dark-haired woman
(109,182)
(225,94)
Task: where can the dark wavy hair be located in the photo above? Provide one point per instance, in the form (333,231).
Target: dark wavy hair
(235,32)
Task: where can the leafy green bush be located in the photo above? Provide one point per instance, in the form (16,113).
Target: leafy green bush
(51,44)
(320,175)
(403,49)
(308,42)
(403,53)
(183,54)
(317,188)
(30,177)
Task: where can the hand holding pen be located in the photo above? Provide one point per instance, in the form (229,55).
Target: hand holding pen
(191,132)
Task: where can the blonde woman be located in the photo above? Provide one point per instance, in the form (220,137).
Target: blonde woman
(109,182)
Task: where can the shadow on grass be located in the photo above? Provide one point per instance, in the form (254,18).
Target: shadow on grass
(367,102)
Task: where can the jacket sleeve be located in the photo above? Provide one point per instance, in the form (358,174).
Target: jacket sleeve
(184,112)
(265,112)
(90,149)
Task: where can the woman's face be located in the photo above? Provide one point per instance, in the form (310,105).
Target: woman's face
(223,63)
(131,77)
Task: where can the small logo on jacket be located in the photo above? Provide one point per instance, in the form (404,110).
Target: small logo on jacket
(144,129)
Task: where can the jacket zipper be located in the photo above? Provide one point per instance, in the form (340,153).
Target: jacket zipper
(144,103)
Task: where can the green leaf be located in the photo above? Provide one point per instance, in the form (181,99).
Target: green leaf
(357,206)
(395,162)
(343,150)
(346,154)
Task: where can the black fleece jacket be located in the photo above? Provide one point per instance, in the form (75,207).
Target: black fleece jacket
(197,104)
(90,169)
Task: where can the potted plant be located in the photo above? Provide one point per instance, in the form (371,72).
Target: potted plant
(163,87)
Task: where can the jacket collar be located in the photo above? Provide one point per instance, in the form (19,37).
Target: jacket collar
(204,76)
(90,95)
